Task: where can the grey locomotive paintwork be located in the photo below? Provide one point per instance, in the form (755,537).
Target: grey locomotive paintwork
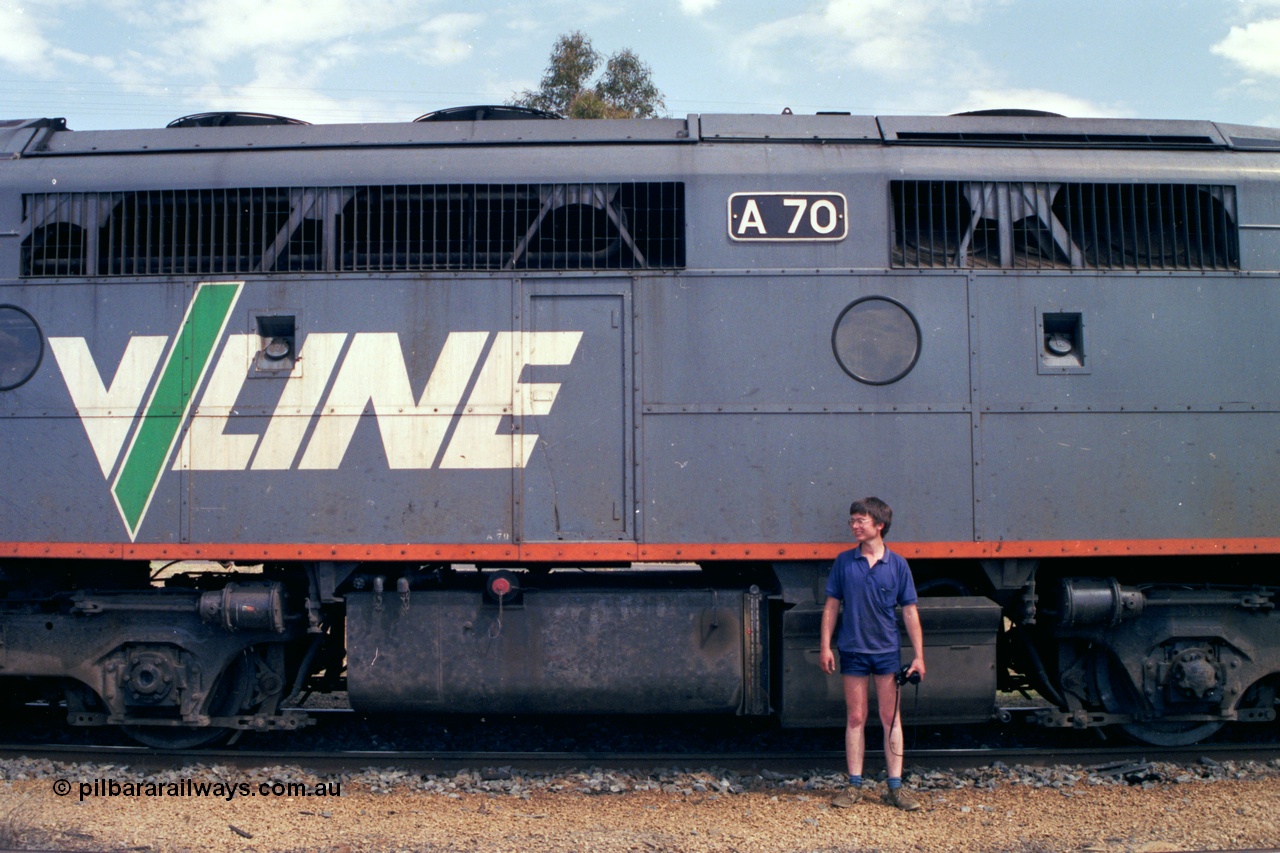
(719,380)
(700,405)
(1178,407)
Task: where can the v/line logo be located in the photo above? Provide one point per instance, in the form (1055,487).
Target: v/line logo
(437,430)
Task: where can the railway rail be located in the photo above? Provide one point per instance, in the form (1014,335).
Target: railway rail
(692,788)
(1109,760)
(345,740)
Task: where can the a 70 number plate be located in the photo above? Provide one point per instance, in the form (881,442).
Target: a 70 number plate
(788,216)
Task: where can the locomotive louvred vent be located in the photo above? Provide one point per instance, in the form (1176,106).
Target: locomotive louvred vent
(592,226)
(1049,225)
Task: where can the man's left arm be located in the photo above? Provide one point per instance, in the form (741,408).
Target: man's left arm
(911,619)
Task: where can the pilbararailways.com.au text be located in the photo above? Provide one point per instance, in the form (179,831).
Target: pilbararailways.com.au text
(193,788)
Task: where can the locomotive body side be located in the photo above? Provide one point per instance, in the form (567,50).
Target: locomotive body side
(359,356)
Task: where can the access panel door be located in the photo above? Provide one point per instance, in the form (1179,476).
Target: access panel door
(577,483)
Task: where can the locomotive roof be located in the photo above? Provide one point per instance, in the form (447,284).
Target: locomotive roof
(51,137)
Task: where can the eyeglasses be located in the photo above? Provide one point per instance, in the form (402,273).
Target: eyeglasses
(856,521)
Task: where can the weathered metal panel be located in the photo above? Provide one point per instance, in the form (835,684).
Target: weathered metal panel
(1148,341)
(855,171)
(561,651)
(57,484)
(1259,206)
(797,128)
(1250,138)
(1058,129)
(368,460)
(1168,430)
(18,136)
(789,477)
(576,485)
(1131,475)
(753,432)
(746,423)
(262,459)
(712,173)
(398,135)
(760,341)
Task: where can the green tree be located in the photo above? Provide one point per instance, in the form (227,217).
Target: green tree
(624,90)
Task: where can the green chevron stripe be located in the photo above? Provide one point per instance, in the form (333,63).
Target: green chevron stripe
(170,403)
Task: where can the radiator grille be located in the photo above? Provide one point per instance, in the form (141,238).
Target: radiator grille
(591,226)
(1003,225)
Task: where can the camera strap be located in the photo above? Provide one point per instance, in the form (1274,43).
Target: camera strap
(897,711)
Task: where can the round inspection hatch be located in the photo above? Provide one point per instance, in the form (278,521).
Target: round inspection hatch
(21,347)
(876,340)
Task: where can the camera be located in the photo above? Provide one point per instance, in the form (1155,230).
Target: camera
(905,676)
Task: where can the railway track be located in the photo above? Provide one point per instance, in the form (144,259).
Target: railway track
(1113,760)
(344,739)
(494,784)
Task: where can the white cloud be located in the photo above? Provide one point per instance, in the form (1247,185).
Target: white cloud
(1036,99)
(895,35)
(698,7)
(885,37)
(1255,47)
(912,56)
(290,39)
(757,50)
(23,43)
(292,57)
(445,39)
(302,103)
(228,27)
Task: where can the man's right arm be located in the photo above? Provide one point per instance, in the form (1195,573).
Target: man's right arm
(830,613)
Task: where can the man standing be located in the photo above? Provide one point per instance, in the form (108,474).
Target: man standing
(870,581)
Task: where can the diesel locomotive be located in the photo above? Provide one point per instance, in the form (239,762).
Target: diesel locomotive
(529,415)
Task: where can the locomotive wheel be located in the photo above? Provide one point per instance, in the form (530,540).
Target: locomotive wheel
(1262,695)
(233,690)
(1170,733)
(1119,697)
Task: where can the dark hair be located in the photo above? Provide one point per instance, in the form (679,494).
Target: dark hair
(877,509)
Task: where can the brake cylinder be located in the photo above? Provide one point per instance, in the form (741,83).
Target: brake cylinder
(259,607)
(1099,602)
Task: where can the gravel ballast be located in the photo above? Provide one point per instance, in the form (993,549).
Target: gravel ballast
(1206,805)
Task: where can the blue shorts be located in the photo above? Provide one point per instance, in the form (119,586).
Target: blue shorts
(857,663)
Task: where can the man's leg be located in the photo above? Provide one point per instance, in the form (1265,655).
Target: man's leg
(887,698)
(855,724)
(891,720)
(855,702)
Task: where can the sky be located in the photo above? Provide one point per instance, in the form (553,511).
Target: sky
(140,63)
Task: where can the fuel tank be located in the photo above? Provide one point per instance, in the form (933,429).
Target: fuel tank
(558,650)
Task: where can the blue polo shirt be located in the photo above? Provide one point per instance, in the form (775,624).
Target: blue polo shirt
(868,624)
